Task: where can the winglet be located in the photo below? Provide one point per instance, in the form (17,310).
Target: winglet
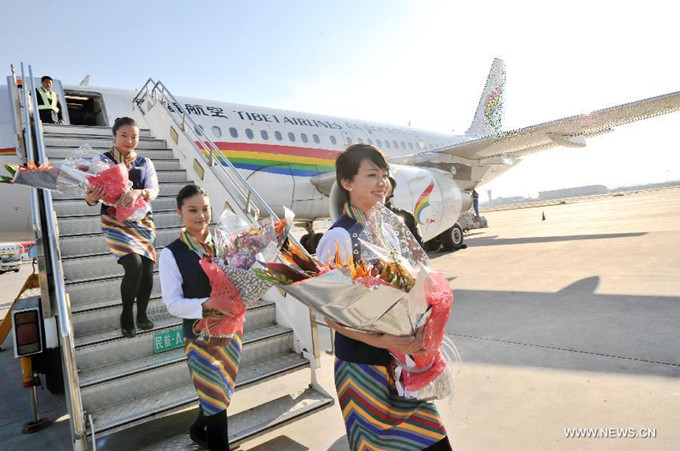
(489,116)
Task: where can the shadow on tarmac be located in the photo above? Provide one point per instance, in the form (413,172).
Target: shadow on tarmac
(495,241)
(574,329)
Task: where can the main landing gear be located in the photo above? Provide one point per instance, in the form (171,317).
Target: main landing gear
(311,240)
(449,240)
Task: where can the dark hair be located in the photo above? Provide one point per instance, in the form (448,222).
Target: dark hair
(45,77)
(188,191)
(119,122)
(347,164)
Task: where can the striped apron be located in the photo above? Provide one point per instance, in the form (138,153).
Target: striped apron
(376,418)
(130,237)
(213,372)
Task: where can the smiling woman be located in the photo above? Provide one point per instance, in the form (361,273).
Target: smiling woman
(131,242)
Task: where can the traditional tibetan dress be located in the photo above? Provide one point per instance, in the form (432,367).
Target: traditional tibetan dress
(131,237)
(185,287)
(376,417)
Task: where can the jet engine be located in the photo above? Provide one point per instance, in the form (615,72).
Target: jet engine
(430,194)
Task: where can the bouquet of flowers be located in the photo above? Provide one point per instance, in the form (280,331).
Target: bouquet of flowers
(78,173)
(234,284)
(389,289)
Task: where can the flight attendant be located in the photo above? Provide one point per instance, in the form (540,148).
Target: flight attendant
(131,242)
(376,418)
(186,289)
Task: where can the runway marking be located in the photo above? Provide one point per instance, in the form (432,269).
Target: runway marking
(555,348)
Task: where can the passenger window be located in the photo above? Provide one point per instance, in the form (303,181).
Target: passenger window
(403,145)
(410,145)
(348,140)
(304,138)
(369,141)
(291,137)
(378,143)
(387,144)
(333,140)
(264,134)
(360,141)
(316,139)
(395,144)
(249,133)
(278,136)
(233,132)
(217,131)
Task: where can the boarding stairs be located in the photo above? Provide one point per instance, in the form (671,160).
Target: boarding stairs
(123,382)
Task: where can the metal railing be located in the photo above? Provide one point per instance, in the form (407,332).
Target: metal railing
(249,200)
(35,147)
(223,169)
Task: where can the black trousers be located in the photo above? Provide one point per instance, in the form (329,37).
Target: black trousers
(137,284)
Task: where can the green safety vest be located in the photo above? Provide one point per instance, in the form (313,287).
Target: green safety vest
(49,100)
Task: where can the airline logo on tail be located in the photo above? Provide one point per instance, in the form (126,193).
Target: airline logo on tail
(493,110)
(423,203)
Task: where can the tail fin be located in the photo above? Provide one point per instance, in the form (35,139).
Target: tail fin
(489,116)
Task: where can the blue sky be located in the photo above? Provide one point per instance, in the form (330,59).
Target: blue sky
(389,61)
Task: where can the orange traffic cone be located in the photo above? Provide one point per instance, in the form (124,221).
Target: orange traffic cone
(542,216)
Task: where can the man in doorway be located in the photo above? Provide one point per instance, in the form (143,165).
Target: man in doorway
(49,106)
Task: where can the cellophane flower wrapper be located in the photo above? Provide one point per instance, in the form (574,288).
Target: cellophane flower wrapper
(81,171)
(234,284)
(370,304)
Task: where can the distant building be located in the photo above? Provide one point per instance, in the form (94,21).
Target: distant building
(573,192)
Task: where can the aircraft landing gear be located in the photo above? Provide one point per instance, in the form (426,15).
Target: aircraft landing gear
(452,239)
(311,239)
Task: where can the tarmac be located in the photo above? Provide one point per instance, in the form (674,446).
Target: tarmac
(568,328)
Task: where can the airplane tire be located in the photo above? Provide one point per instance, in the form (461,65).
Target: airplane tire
(452,239)
(432,245)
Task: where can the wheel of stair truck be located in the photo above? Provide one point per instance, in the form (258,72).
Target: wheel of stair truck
(452,239)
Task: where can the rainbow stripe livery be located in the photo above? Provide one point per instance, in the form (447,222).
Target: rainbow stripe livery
(423,202)
(288,160)
(8,151)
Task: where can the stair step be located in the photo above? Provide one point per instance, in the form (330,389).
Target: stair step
(76,141)
(129,380)
(108,346)
(69,208)
(137,377)
(62,152)
(86,225)
(263,418)
(80,130)
(166,189)
(86,245)
(84,295)
(106,316)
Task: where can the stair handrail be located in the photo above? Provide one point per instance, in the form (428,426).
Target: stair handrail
(237,180)
(159,92)
(51,239)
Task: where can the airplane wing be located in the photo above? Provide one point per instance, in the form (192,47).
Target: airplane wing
(570,132)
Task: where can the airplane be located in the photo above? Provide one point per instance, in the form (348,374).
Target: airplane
(289,156)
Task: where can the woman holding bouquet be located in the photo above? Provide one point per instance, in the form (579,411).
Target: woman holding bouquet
(375,416)
(186,291)
(131,242)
